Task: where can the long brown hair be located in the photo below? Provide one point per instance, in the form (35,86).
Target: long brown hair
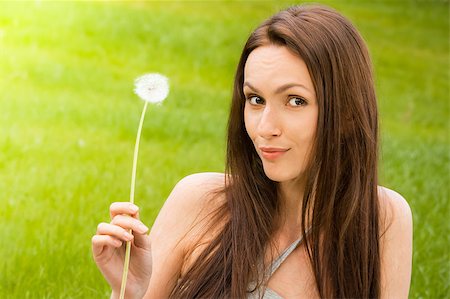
(340,203)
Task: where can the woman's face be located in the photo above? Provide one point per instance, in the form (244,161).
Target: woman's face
(280,112)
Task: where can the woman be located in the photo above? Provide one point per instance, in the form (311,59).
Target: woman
(298,213)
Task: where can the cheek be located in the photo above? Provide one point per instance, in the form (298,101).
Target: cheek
(249,124)
(309,136)
(310,131)
(306,129)
(303,124)
(310,123)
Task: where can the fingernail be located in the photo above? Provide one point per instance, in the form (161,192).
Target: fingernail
(134,208)
(143,228)
(127,236)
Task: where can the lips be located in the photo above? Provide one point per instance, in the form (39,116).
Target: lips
(272,153)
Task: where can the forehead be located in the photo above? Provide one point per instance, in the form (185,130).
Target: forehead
(276,64)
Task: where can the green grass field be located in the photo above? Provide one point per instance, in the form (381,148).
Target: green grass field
(68,119)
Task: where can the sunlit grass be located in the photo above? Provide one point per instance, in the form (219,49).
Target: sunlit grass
(68,122)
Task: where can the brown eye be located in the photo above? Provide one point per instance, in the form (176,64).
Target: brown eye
(254,100)
(297,101)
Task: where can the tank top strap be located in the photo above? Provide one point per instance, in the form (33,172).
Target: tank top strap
(282,257)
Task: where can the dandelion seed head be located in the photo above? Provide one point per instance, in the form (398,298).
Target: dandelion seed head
(152,88)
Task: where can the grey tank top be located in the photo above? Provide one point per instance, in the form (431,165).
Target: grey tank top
(265,292)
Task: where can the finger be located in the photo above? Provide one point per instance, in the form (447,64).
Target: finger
(114,231)
(118,208)
(99,242)
(142,241)
(128,222)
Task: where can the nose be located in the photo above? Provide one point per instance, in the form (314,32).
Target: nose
(269,123)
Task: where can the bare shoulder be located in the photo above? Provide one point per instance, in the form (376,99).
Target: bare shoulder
(171,233)
(193,193)
(199,184)
(394,209)
(396,232)
(188,199)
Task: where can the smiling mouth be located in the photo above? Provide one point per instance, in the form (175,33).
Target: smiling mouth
(271,153)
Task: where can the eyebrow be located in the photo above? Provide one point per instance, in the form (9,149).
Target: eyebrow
(279,89)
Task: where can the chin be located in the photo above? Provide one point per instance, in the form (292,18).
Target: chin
(281,176)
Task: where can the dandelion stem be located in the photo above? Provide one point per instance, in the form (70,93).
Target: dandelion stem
(136,152)
(133,184)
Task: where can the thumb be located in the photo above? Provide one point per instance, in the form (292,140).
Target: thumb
(141,240)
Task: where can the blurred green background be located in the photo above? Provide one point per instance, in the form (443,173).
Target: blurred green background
(68,120)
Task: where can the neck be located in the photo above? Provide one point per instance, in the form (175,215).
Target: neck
(291,194)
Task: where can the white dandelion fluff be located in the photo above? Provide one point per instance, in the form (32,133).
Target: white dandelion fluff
(152,88)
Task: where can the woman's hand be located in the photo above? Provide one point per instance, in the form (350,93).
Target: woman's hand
(108,248)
